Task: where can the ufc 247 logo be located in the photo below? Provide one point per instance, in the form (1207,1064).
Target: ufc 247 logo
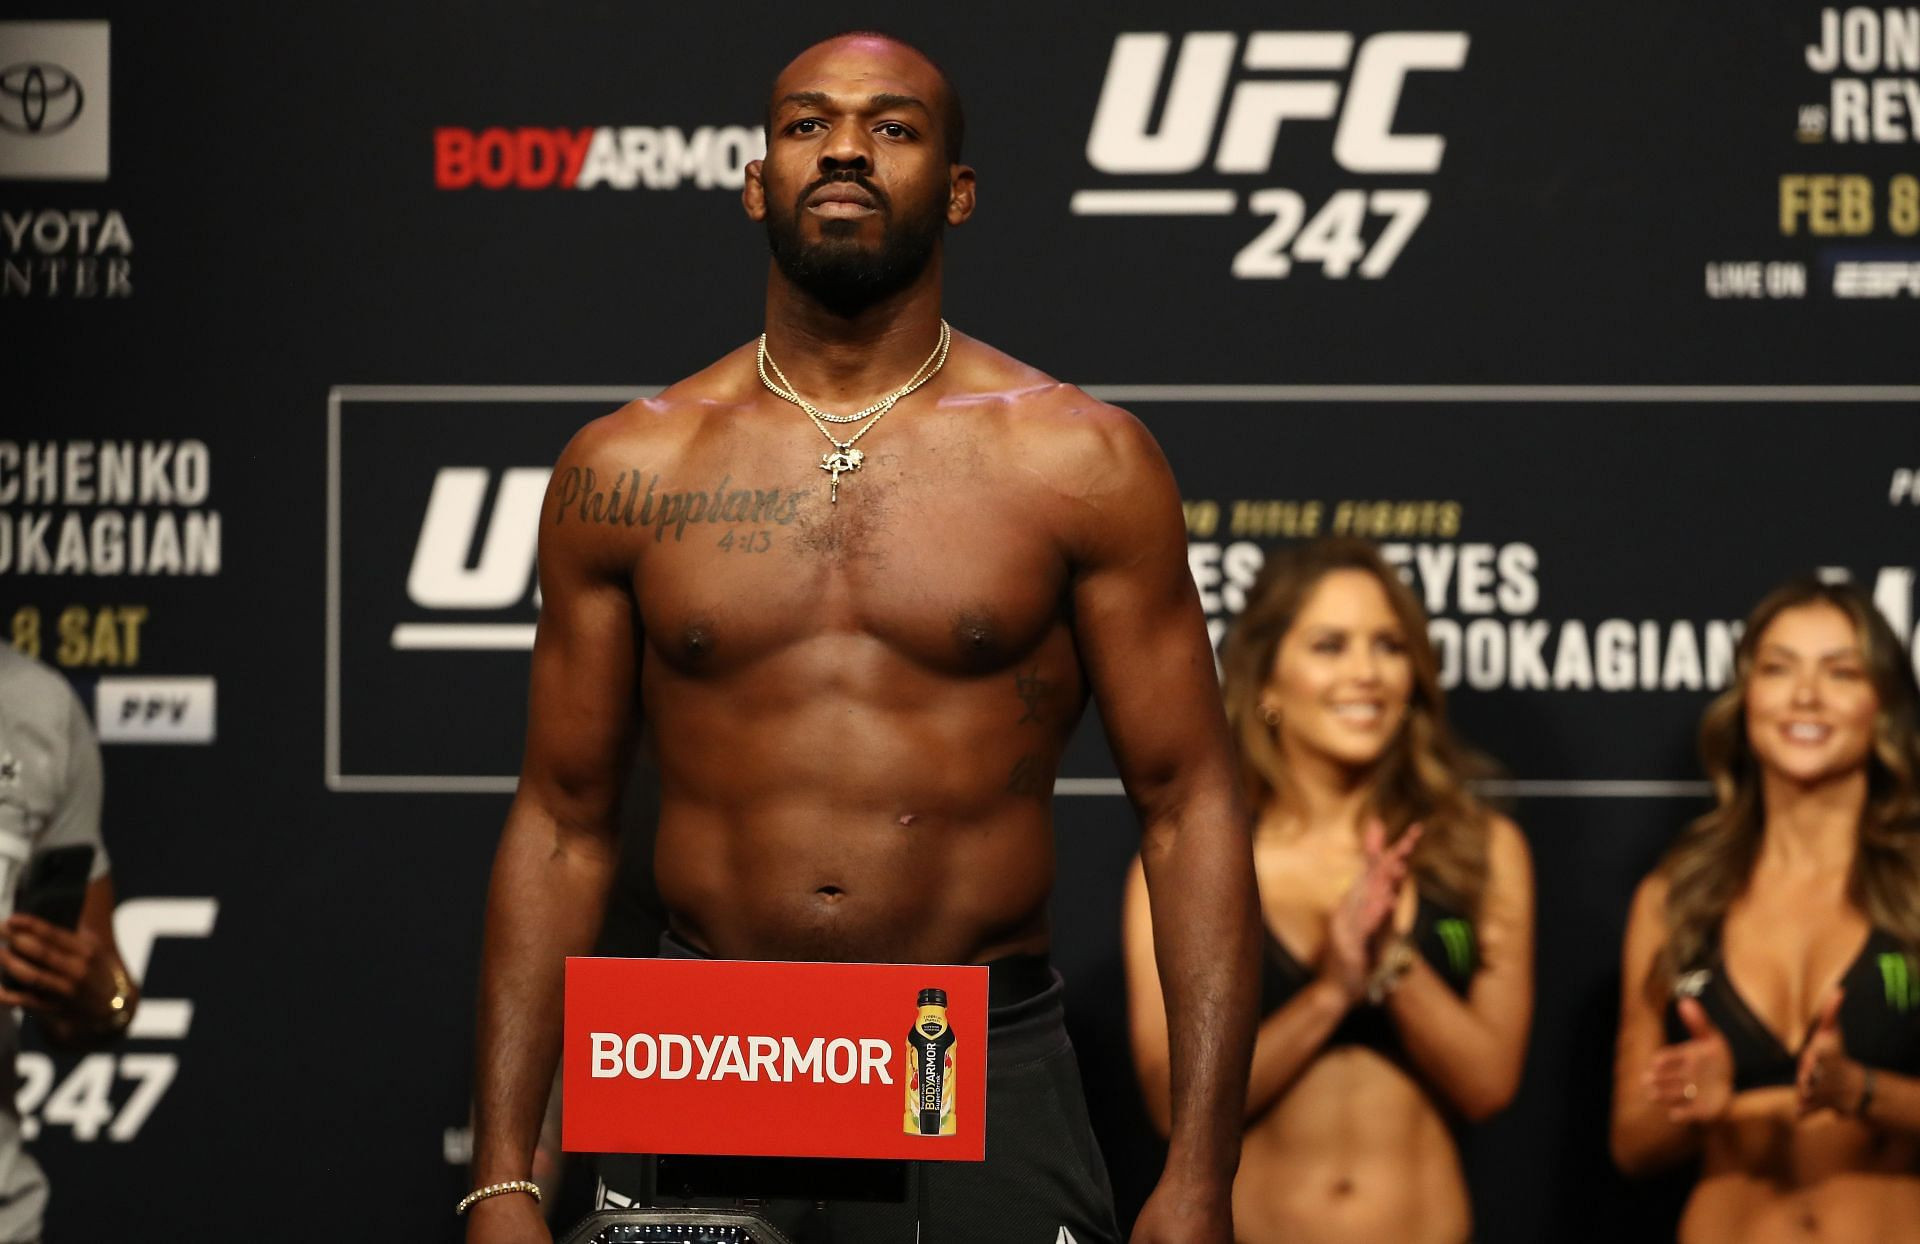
(1221,111)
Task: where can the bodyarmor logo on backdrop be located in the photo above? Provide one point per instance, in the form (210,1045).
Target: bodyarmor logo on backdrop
(1224,117)
(629,157)
(53,101)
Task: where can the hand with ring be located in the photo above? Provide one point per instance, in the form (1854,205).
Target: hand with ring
(1693,1079)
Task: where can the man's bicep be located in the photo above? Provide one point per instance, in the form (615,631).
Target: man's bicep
(583,696)
(1143,638)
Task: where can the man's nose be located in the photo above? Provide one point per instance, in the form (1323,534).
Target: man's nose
(846,148)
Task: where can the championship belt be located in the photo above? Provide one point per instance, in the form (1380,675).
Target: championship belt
(674,1226)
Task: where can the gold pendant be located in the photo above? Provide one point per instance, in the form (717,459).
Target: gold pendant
(838,463)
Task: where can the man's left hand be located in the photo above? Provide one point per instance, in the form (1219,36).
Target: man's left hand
(1186,1214)
(65,976)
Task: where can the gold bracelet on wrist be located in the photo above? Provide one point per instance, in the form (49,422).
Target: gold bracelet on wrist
(512,1185)
(1395,962)
(120,1009)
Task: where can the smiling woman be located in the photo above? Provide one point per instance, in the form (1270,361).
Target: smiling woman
(1768,1020)
(1396,986)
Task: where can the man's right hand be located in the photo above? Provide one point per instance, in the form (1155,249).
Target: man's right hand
(1179,1213)
(510,1218)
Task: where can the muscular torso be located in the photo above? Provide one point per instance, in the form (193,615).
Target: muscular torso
(1356,1149)
(857,708)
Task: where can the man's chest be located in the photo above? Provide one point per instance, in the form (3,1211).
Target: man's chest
(929,549)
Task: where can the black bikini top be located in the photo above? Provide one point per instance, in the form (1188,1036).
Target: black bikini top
(1443,938)
(1879,1015)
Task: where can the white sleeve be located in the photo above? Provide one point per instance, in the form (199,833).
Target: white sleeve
(76,820)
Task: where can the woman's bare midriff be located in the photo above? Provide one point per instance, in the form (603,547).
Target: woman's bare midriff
(1354,1152)
(1821,1180)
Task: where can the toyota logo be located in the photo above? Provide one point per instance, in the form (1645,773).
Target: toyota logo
(38,98)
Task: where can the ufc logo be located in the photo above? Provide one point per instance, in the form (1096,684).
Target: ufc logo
(1201,84)
(445,573)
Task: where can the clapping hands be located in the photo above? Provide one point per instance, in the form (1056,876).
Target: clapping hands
(1693,1079)
(1827,1078)
(1363,920)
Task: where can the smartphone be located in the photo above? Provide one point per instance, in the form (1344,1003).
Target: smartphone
(54,886)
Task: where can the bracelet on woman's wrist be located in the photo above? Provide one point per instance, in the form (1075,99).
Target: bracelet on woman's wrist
(1395,962)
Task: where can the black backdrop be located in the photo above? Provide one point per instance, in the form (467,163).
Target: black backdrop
(1595,447)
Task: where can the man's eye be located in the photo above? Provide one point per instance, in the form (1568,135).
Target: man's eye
(805,125)
(893,129)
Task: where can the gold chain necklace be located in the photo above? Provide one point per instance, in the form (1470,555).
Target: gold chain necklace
(844,459)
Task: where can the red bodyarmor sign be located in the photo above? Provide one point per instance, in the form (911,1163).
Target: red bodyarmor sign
(847,1060)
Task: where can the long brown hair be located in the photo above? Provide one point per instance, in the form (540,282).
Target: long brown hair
(1708,865)
(1423,774)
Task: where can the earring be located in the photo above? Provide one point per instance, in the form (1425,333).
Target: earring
(1270,714)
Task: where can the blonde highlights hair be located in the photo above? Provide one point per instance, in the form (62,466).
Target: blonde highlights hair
(1422,775)
(1708,865)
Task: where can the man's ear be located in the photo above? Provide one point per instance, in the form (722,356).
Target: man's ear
(753,192)
(960,193)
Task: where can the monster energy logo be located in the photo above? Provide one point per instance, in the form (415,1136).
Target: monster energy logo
(1896,973)
(1457,936)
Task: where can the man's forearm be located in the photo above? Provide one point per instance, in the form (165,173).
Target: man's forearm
(1199,869)
(545,902)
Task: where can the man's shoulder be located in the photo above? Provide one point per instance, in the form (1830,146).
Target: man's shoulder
(669,419)
(1052,417)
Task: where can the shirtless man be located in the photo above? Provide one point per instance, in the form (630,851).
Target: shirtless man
(859,682)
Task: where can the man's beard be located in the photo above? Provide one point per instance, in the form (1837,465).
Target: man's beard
(839,271)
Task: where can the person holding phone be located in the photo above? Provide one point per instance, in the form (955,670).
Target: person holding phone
(58,961)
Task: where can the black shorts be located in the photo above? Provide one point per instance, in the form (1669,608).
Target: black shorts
(1043,1182)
